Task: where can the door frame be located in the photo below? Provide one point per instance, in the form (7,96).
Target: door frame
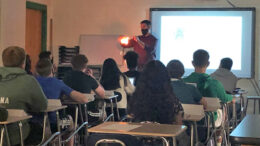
(43,9)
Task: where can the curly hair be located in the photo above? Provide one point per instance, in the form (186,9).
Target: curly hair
(110,75)
(153,99)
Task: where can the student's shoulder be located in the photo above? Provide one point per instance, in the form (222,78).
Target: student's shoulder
(29,78)
(188,79)
(214,82)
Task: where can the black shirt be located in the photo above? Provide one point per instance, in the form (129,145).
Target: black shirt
(80,81)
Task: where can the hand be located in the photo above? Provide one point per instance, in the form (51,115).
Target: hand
(89,72)
(135,38)
(203,102)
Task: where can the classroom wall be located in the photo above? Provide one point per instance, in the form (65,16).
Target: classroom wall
(72,18)
(12,22)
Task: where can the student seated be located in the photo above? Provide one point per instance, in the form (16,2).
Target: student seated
(131,60)
(18,90)
(207,86)
(113,79)
(81,79)
(154,99)
(54,89)
(225,76)
(228,80)
(187,94)
(48,55)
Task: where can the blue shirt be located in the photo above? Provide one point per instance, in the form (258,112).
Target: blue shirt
(53,89)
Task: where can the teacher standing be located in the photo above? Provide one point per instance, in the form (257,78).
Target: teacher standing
(144,45)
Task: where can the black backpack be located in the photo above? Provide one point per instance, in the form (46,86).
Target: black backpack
(3,114)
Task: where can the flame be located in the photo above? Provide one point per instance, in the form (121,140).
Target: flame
(124,40)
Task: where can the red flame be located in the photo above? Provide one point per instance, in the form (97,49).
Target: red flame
(124,40)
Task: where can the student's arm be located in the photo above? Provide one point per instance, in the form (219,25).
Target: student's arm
(100,91)
(75,95)
(79,97)
(38,102)
(96,87)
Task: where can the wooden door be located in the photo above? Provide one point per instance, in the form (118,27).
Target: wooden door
(33,38)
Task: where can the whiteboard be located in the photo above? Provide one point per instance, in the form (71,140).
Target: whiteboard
(97,48)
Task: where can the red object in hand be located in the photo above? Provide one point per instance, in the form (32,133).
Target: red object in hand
(124,40)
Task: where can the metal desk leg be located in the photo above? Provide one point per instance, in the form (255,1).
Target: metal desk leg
(112,110)
(208,127)
(80,114)
(7,136)
(76,116)
(44,127)
(213,126)
(118,116)
(191,134)
(196,133)
(254,106)
(58,126)
(2,136)
(246,107)
(21,132)
(86,117)
(234,114)
(165,141)
(258,106)
(174,143)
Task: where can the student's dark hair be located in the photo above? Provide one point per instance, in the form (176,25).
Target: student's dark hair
(147,22)
(131,59)
(110,75)
(175,69)
(13,56)
(45,54)
(28,65)
(153,99)
(79,62)
(44,67)
(200,58)
(226,63)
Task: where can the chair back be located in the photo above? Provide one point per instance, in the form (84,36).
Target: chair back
(54,102)
(213,103)
(193,112)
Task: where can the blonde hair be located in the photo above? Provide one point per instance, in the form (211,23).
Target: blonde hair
(13,56)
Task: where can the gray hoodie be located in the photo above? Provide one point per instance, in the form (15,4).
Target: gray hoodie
(226,77)
(20,91)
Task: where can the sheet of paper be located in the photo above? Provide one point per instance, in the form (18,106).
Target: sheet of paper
(123,127)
